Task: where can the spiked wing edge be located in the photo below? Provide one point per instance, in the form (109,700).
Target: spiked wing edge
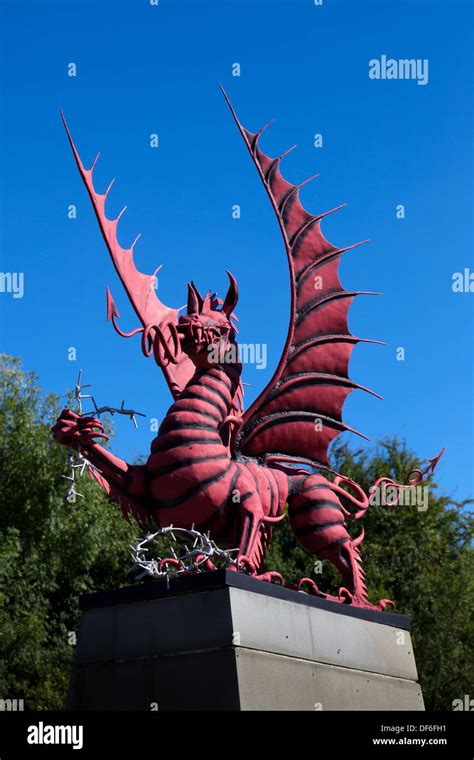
(159,331)
(299,413)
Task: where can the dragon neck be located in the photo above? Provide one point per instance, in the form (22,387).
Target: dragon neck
(208,396)
(218,383)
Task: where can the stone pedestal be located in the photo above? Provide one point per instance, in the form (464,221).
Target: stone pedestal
(224,641)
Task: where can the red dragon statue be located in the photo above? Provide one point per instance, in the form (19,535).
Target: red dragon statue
(213,466)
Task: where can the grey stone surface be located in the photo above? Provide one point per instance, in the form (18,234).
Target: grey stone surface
(295,684)
(277,626)
(230,648)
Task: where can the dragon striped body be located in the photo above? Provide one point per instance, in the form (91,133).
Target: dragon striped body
(229,472)
(193,479)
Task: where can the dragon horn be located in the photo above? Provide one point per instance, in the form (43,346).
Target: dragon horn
(198,296)
(230,301)
(207,301)
(193,300)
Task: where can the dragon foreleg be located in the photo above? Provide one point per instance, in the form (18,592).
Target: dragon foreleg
(125,482)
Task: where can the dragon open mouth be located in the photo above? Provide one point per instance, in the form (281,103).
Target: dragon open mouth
(199,337)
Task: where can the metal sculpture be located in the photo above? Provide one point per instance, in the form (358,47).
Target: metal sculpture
(219,470)
(189,560)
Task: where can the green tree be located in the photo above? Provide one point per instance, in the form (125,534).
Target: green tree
(51,552)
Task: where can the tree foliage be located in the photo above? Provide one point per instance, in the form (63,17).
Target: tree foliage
(52,551)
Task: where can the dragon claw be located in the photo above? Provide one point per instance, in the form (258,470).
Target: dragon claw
(244,564)
(71,428)
(316,592)
(172,562)
(270,577)
(345,596)
(384,603)
(382,606)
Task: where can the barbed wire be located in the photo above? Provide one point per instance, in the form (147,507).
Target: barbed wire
(77,464)
(186,560)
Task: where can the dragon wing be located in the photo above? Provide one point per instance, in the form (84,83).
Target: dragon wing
(159,335)
(299,412)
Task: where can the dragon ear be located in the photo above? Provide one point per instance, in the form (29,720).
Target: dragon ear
(232,296)
(194,299)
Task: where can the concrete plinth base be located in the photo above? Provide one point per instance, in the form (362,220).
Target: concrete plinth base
(224,641)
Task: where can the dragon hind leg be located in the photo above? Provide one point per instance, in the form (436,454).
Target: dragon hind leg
(318,523)
(252,539)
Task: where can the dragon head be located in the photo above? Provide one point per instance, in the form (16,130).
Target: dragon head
(206,331)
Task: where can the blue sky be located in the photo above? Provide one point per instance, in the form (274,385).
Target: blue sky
(145,69)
